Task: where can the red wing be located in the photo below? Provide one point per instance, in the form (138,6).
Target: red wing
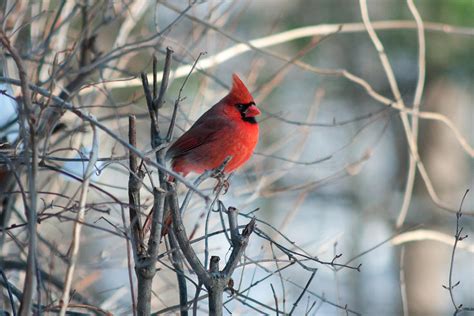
(202,132)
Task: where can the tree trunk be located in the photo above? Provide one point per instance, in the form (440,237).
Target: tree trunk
(215,299)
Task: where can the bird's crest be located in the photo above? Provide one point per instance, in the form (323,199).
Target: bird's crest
(239,91)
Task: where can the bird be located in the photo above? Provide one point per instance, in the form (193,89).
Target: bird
(228,128)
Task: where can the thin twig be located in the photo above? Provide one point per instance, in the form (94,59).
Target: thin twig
(160,99)
(302,293)
(403,288)
(177,261)
(275,298)
(432,235)
(76,238)
(169,135)
(457,238)
(9,290)
(134,184)
(416,109)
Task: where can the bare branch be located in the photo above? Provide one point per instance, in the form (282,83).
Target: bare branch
(169,135)
(457,238)
(134,185)
(302,293)
(76,238)
(87,117)
(31,158)
(287,36)
(416,108)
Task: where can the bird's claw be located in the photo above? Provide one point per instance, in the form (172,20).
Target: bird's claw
(225,185)
(222,183)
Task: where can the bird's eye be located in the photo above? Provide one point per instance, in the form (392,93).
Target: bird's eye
(240,107)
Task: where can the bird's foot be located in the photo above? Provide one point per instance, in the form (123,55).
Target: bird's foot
(222,183)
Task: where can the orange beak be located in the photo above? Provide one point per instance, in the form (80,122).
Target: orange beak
(252,111)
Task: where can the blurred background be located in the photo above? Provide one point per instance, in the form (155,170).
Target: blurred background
(329,173)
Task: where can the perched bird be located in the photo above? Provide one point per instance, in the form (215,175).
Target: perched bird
(229,128)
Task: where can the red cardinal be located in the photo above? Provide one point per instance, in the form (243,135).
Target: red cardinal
(229,128)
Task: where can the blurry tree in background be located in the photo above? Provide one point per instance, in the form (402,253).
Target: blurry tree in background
(350,204)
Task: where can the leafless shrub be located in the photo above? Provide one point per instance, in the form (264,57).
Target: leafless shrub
(100,90)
